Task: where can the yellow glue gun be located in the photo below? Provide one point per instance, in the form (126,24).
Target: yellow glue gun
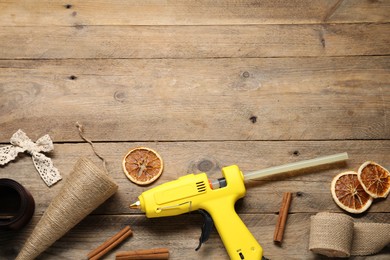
(194,192)
(215,201)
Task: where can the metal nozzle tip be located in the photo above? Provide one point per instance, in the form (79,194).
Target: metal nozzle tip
(136,205)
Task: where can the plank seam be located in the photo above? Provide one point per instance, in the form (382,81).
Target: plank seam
(199,58)
(216,141)
(322,22)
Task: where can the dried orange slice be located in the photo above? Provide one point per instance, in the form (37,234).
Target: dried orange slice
(375,179)
(142,165)
(349,194)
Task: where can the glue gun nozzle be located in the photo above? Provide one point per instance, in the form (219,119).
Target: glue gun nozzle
(136,205)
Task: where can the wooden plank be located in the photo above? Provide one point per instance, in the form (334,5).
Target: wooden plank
(193,41)
(117,12)
(215,99)
(206,84)
(311,187)
(180,234)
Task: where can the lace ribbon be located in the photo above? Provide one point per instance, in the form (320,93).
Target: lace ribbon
(21,143)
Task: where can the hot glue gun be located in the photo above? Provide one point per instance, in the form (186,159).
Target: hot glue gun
(215,201)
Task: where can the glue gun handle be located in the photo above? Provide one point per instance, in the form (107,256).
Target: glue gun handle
(237,239)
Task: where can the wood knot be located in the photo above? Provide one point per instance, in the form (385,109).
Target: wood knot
(246,74)
(207,165)
(296,153)
(120,96)
(323,43)
(253,119)
(247,81)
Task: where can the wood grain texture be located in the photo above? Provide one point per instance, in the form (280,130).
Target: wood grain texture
(206,84)
(49,13)
(252,41)
(215,99)
(180,234)
(180,158)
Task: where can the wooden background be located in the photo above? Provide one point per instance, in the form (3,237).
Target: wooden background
(206,84)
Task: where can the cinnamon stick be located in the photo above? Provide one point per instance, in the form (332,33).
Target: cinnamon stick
(282,218)
(156,253)
(110,243)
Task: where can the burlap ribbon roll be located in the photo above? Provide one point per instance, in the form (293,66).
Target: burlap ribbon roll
(87,187)
(337,235)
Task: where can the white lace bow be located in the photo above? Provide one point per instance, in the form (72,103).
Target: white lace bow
(21,143)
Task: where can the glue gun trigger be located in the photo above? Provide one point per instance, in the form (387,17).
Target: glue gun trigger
(206,228)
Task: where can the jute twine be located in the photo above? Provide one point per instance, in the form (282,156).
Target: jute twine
(336,235)
(85,189)
(80,128)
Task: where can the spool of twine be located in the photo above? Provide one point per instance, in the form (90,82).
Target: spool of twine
(370,238)
(336,235)
(325,240)
(87,187)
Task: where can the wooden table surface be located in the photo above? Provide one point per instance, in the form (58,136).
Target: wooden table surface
(206,84)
